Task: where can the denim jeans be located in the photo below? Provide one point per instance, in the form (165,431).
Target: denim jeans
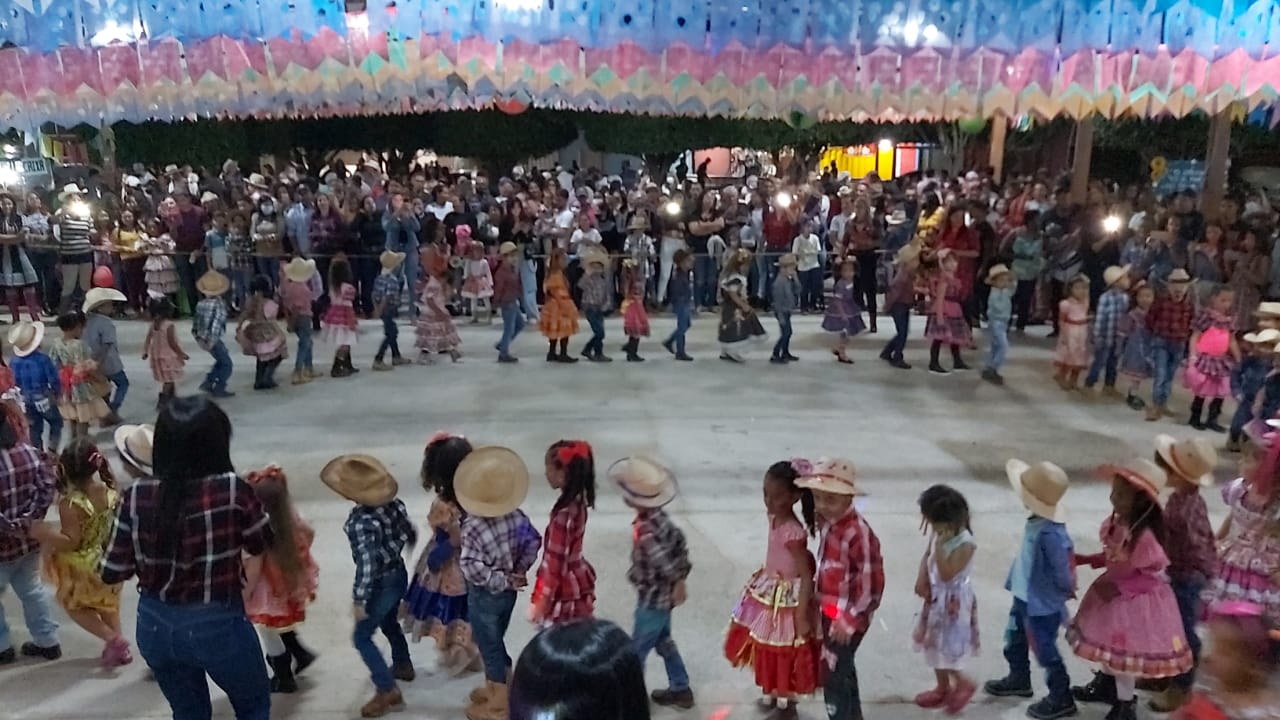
(782,348)
(1104,358)
(684,319)
(595,318)
(1187,593)
(901,314)
(998,339)
(240,280)
(666,261)
(1241,417)
(23,575)
(270,268)
(121,383)
(1023,298)
(410,269)
(705,286)
(811,288)
(1039,633)
(389,334)
(381,612)
(1166,356)
(529,290)
(765,273)
(36,421)
(653,632)
(490,616)
(45,263)
(184,643)
(302,328)
(220,373)
(840,691)
(512,324)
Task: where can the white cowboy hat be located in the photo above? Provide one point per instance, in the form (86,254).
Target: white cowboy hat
(256,180)
(25,337)
(1040,487)
(170,169)
(644,482)
(491,482)
(213,284)
(1193,459)
(1143,474)
(1268,309)
(99,295)
(299,270)
(135,444)
(1179,276)
(361,479)
(1113,274)
(132,181)
(1268,337)
(996,271)
(833,475)
(70,189)
(208,196)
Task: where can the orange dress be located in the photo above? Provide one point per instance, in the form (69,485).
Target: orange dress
(559,318)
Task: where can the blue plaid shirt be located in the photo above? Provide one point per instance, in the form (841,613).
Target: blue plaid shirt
(1112,306)
(378,535)
(210,323)
(36,376)
(386,289)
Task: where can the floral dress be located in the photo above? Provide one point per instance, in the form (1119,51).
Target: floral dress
(75,572)
(946,323)
(1249,556)
(78,403)
(844,315)
(1135,343)
(435,332)
(559,319)
(635,320)
(947,629)
(1073,335)
(436,603)
(166,364)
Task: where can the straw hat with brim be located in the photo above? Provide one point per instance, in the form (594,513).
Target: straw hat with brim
(1113,274)
(256,180)
(787,260)
(1179,276)
(213,284)
(99,295)
(1268,309)
(491,482)
(638,222)
(595,257)
(25,337)
(996,271)
(1143,474)
(507,248)
(1040,487)
(907,253)
(362,479)
(644,482)
(1268,337)
(1192,459)
(299,270)
(390,259)
(135,444)
(833,475)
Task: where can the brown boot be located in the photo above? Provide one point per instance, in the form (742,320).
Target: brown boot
(495,708)
(1153,413)
(383,703)
(480,696)
(1168,701)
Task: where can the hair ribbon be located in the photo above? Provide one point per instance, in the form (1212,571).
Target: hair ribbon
(571,450)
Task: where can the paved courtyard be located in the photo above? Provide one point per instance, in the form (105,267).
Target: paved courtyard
(718,425)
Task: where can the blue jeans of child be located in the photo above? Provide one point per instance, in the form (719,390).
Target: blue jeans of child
(998,344)
(653,632)
(1039,634)
(302,327)
(1166,356)
(23,575)
(1104,365)
(840,691)
(811,288)
(1241,417)
(121,383)
(183,644)
(705,287)
(36,419)
(782,348)
(684,319)
(1187,593)
(901,314)
(381,612)
(389,335)
(220,373)
(595,318)
(490,616)
(512,324)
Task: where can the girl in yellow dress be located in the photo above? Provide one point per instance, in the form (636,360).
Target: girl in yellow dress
(559,319)
(87,501)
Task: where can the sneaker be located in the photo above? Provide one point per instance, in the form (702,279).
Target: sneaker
(992,377)
(381,366)
(1101,689)
(1009,687)
(1051,709)
(31,649)
(682,699)
(383,703)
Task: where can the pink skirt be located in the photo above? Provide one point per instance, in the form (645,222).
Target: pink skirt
(1138,634)
(1206,386)
(635,321)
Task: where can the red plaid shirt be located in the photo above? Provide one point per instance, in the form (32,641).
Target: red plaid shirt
(850,578)
(564,575)
(1189,539)
(26,492)
(1170,319)
(221,519)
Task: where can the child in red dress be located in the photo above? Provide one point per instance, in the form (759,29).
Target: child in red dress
(566,586)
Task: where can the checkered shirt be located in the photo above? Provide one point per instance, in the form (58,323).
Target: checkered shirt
(1169,319)
(378,535)
(659,559)
(387,289)
(850,580)
(26,492)
(1112,305)
(595,291)
(565,576)
(36,376)
(210,323)
(496,549)
(221,518)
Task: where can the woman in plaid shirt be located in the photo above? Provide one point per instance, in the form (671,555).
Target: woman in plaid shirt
(566,586)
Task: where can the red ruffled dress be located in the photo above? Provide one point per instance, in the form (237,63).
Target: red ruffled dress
(565,578)
(272,603)
(762,633)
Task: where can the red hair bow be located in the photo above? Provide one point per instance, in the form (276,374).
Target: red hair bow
(438,436)
(270,472)
(573,449)
(96,460)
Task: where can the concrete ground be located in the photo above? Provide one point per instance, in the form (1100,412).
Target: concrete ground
(718,425)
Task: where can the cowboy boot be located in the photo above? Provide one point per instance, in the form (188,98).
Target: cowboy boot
(1215,410)
(1197,407)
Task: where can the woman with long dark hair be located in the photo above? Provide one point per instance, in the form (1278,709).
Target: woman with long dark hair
(584,670)
(183,533)
(17,274)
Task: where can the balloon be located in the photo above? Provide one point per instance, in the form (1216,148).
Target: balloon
(103,278)
(972,125)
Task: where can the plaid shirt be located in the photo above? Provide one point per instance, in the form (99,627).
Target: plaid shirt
(386,289)
(378,535)
(210,323)
(659,559)
(26,492)
(496,549)
(850,578)
(565,575)
(221,518)
(1170,319)
(595,292)
(36,376)
(1112,305)
(1189,539)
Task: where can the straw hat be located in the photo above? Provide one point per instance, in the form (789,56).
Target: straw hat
(299,270)
(1268,309)
(390,260)
(1268,337)
(1193,459)
(256,180)
(833,475)
(213,284)
(644,482)
(787,260)
(1179,276)
(1113,274)
(491,482)
(361,479)
(996,271)
(596,256)
(97,296)
(135,444)
(1040,487)
(25,337)
(907,253)
(507,248)
(1143,475)
(638,222)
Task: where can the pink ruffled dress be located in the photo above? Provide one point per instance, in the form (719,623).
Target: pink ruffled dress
(1250,554)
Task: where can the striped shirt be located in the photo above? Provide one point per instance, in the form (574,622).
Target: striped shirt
(74,232)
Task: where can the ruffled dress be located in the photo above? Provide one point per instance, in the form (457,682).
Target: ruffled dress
(635,319)
(1250,555)
(272,603)
(435,332)
(339,322)
(1073,336)
(1209,374)
(75,573)
(162,278)
(559,318)
(947,629)
(739,329)
(1139,632)
(436,603)
(261,336)
(946,323)
(78,403)
(479,281)
(166,364)
(762,631)
(1135,353)
(844,315)
(565,578)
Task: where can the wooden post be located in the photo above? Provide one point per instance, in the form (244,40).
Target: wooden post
(1215,175)
(1080,160)
(999,127)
